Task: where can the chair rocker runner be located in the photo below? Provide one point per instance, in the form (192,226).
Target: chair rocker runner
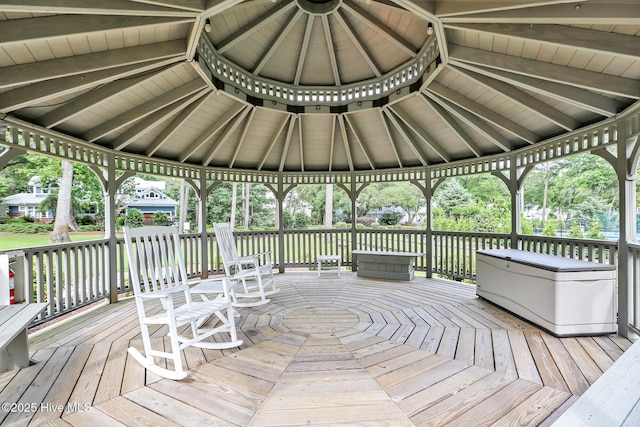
(255,277)
(158,274)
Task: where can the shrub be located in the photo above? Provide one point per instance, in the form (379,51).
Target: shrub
(90,228)
(134,218)
(120,222)
(301,220)
(341,225)
(575,232)
(287,220)
(86,220)
(375,225)
(549,229)
(390,218)
(365,221)
(26,228)
(160,218)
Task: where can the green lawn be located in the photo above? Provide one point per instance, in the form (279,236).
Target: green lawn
(21,240)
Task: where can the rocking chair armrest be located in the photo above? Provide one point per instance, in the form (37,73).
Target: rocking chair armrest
(163,293)
(250,258)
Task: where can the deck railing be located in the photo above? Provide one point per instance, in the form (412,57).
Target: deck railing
(634,297)
(67,276)
(72,275)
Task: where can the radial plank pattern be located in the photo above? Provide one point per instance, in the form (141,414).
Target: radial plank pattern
(326,350)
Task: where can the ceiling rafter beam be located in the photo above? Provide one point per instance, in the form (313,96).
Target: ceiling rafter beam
(269,16)
(228,115)
(485,113)
(222,139)
(52,27)
(332,144)
(213,7)
(589,40)
(359,140)
(332,50)
(277,41)
(392,142)
(170,131)
(143,110)
(617,86)
(73,65)
(414,146)
(194,5)
(300,146)
(45,90)
(455,127)
(457,8)
(91,98)
(563,13)
(533,104)
(345,141)
(582,98)
(150,122)
(373,22)
(357,42)
(304,47)
(243,135)
(422,134)
(92,7)
(287,142)
(273,141)
(473,121)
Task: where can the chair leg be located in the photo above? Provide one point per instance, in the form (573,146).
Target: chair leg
(146,359)
(175,347)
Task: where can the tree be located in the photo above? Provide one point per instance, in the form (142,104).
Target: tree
(261,207)
(450,195)
(402,194)
(65,219)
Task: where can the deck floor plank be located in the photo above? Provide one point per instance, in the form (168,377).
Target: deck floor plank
(324,350)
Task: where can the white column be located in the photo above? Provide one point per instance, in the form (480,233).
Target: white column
(626,170)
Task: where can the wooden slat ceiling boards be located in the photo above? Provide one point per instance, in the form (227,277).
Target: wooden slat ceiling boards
(317,85)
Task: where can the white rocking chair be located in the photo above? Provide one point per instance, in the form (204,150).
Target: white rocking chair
(158,273)
(255,277)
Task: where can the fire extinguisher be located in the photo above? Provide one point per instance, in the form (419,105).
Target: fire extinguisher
(12,285)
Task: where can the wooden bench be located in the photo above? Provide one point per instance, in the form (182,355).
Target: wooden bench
(14,342)
(613,400)
(385,264)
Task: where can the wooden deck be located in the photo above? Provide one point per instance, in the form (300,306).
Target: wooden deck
(326,350)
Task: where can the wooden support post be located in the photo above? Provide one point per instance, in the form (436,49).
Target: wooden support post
(110,186)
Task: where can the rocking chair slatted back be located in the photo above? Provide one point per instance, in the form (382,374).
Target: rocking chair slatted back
(254,276)
(227,246)
(159,280)
(159,259)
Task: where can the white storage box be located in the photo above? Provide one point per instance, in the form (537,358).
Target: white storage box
(566,297)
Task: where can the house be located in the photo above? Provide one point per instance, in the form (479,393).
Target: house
(150,198)
(27,204)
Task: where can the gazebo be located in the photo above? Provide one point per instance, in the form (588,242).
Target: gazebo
(344,92)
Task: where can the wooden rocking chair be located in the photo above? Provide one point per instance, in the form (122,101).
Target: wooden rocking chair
(158,273)
(255,276)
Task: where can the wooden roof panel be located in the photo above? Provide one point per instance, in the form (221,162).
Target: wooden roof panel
(511,74)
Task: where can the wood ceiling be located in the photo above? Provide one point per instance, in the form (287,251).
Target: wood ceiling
(130,75)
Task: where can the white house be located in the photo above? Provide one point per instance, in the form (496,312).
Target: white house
(27,204)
